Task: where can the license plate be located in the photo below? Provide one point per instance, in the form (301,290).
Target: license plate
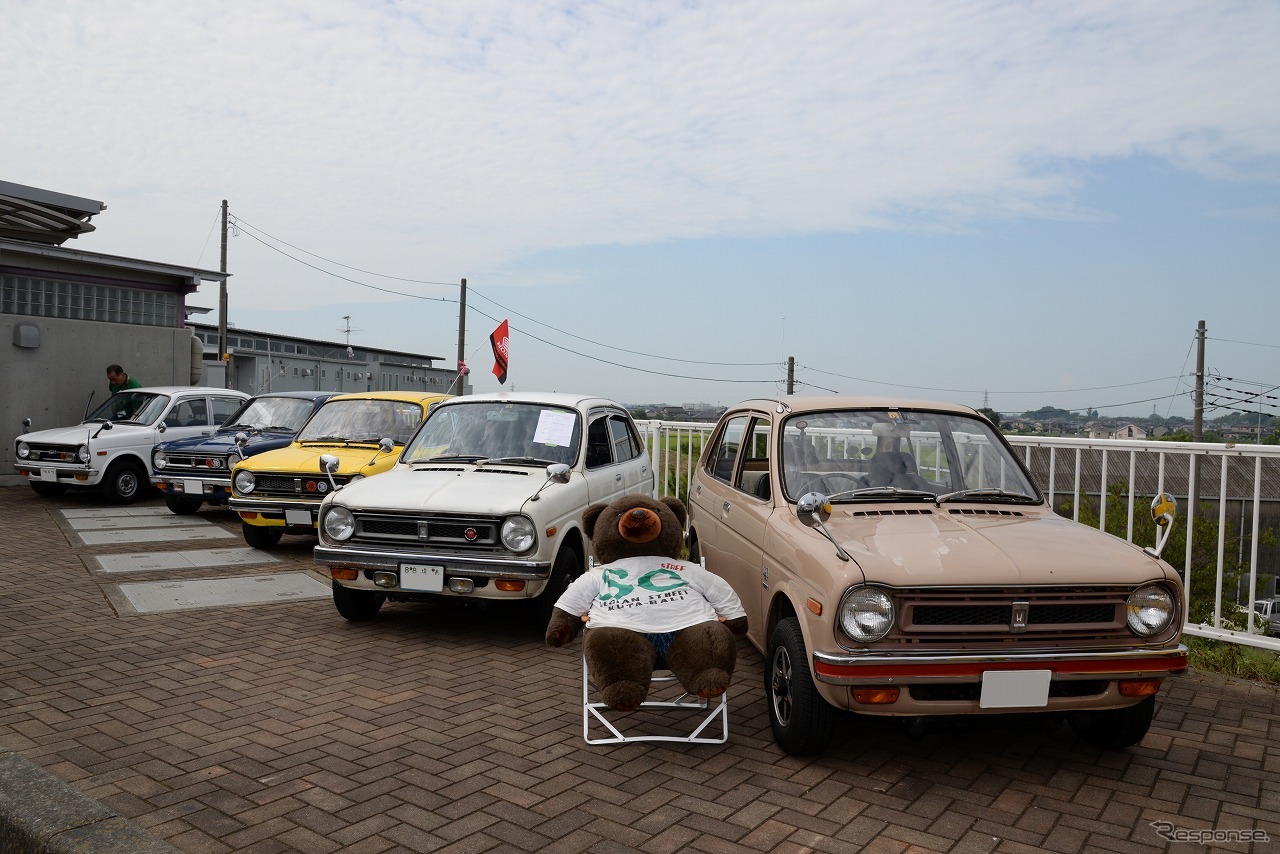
(417,576)
(47,474)
(1015,689)
(193,487)
(297,517)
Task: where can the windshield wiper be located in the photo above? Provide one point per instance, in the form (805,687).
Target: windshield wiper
(983,492)
(340,440)
(528,461)
(883,490)
(450,458)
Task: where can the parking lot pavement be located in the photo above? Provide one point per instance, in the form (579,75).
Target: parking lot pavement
(268,725)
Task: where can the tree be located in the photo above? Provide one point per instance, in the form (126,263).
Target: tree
(992,415)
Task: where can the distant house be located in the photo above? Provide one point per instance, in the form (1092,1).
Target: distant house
(1128,431)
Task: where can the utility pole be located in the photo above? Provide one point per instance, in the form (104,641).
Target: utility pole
(791,374)
(462,338)
(1197,421)
(222,306)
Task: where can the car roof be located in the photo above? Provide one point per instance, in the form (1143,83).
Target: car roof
(407,396)
(304,395)
(551,398)
(791,404)
(176,389)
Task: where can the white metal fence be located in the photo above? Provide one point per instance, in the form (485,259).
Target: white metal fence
(1238,489)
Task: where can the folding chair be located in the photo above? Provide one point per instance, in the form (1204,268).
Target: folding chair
(667,697)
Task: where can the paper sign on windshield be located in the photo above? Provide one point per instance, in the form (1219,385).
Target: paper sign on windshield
(554,428)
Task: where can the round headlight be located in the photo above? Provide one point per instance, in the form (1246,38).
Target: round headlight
(244,482)
(232,459)
(24,450)
(866,614)
(1149,610)
(518,533)
(339,524)
(159,460)
(82,453)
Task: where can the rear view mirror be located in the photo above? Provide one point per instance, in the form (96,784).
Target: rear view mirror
(1164,507)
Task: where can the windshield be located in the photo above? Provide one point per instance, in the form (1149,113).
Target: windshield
(131,407)
(886,453)
(285,414)
(498,430)
(364,421)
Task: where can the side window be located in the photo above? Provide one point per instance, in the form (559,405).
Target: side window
(754,475)
(626,445)
(599,448)
(720,463)
(224,408)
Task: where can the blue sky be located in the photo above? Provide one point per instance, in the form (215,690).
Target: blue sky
(1017,204)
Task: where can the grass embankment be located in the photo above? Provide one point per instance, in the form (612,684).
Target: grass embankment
(1230,659)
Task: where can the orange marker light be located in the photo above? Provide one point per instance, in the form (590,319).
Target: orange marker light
(875,696)
(814,606)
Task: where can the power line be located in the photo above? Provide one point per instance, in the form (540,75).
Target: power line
(1246,343)
(985,391)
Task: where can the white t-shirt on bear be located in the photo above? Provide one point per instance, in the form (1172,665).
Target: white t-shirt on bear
(651,595)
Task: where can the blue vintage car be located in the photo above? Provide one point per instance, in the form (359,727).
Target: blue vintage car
(189,472)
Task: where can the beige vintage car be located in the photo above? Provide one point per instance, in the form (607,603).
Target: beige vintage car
(895,558)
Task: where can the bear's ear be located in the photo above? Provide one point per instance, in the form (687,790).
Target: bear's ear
(589,517)
(677,507)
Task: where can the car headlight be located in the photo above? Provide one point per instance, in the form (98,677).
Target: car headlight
(232,459)
(339,524)
(518,533)
(159,460)
(244,482)
(1149,610)
(82,453)
(866,614)
(24,450)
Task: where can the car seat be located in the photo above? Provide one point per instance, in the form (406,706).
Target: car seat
(895,468)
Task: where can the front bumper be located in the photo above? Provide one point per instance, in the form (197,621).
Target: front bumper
(82,475)
(275,512)
(208,489)
(471,567)
(924,669)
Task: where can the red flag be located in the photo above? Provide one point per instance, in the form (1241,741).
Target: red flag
(498,339)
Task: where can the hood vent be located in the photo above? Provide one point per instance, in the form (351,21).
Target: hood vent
(502,471)
(984,512)
(908,512)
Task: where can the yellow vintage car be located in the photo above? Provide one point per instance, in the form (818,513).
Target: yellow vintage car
(278,492)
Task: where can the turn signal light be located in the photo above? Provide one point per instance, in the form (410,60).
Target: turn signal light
(509,585)
(814,606)
(875,696)
(1140,688)
(245,514)
(342,573)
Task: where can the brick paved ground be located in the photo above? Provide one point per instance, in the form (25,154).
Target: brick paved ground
(284,728)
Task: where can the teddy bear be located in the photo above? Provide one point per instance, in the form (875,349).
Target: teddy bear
(645,608)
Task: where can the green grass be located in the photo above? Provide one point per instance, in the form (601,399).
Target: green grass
(1233,659)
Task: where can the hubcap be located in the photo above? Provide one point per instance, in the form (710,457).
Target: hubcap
(780,686)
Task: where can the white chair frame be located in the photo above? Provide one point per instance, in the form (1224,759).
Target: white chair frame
(594,712)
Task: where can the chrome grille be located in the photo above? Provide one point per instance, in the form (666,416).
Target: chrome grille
(52,454)
(197,463)
(462,532)
(294,485)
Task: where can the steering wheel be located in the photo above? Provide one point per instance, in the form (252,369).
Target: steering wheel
(830,482)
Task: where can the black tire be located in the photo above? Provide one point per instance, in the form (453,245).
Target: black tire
(567,567)
(357,606)
(48,490)
(802,721)
(1113,729)
(126,482)
(182,506)
(695,550)
(261,536)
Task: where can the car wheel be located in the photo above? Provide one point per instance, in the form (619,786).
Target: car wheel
(1115,728)
(567,567)
(125,482)
(261,536)
(182,506)
(695,550)
(801,719)
(48,490)
(356,606)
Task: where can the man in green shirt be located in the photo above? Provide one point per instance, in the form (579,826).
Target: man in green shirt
(118,380)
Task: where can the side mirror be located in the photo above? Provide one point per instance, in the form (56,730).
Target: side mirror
(387,445)
(26,425)
(813,509)
(328,465)
(556,473)
(1164,508)
(107,425)
(162,427)
(241,440)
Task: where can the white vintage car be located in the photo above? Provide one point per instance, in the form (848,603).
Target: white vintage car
(485,502)
(111,448)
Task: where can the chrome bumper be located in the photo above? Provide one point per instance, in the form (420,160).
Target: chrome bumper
(477,567)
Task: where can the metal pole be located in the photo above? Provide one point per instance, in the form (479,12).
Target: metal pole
(462,337)
(791,374)
(222,306)
(1197,423)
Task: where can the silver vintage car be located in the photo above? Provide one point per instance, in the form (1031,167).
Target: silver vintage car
(895,558)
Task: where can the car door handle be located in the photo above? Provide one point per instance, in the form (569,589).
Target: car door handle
(726,506)
(617,478)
